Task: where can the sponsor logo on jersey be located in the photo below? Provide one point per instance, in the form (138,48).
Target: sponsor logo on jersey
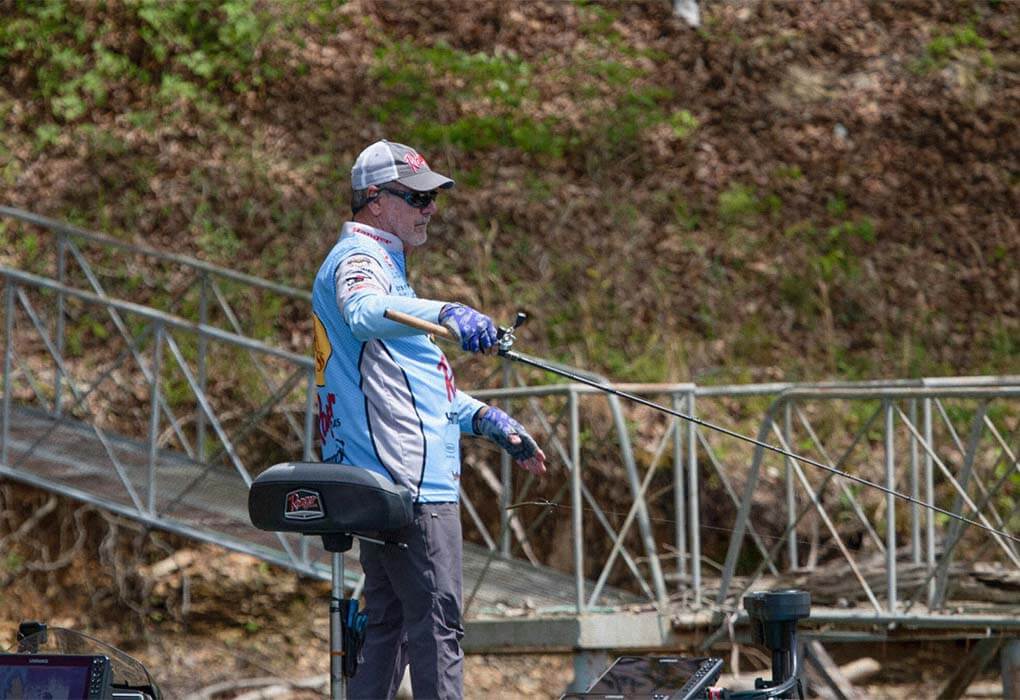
(323,349)
(385,240)
(327,419)
(444,367)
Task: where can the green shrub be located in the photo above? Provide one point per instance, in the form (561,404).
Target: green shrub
(836,206)
(77,58)
(790,172)
(835,246)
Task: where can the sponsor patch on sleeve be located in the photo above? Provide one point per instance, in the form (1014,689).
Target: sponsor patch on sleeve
(360,274)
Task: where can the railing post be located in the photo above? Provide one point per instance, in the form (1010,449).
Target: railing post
(307,453)
(929,495)
(640,505)
(890,506)
(743,513)
(791,496)
(157,369)
(679,504)
(8,343)
(576,510)
(61,277)
(203,346)
(915,491)
(506,476)
(693,500)
(309,417)
(1010,662)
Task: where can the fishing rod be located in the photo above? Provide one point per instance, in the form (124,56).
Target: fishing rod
(506,339)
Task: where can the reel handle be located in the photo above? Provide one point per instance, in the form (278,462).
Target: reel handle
(505,335)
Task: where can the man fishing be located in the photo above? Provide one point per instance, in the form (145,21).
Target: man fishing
(388,402)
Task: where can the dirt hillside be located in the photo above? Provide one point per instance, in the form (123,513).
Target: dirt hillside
(799,189)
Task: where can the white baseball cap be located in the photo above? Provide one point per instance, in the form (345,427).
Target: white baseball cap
(384,162)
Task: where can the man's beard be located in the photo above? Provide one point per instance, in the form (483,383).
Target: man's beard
(418,236)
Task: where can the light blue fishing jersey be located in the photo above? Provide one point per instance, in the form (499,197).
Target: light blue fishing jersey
(387,397)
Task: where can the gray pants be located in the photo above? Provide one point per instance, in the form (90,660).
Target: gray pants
(413,600)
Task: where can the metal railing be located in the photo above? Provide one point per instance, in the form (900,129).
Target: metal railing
(635,499)
(942,441)
(187,288)
(111,430)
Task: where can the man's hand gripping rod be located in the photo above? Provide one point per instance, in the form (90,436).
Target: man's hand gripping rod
(505,336)
(506,340)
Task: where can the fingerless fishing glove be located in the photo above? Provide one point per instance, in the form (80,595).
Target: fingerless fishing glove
(496,425)
(475,331)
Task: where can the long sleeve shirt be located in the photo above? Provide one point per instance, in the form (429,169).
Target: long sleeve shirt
(387,398)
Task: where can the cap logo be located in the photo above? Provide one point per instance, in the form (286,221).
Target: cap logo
(303,505)
(416,161)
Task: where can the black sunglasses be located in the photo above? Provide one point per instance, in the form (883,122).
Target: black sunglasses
(418,200)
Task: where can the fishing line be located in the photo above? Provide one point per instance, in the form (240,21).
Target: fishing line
(525,359)
(507,338)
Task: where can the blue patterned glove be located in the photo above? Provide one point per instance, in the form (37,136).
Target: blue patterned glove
(503,430)
(475,331)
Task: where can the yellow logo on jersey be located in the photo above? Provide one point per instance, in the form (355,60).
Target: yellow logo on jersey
(322,351)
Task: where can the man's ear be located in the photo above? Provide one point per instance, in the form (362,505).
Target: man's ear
(373,197)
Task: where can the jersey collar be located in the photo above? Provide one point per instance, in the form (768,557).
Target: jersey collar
(388,241)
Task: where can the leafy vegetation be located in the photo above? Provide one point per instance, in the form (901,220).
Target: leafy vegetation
(417,103)
(666,207)
(944,47)
(667,204)
(78,58)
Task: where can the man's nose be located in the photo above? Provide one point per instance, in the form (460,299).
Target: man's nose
(430,209)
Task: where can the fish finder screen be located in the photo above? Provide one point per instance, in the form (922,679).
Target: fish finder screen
(654,677)
(44,677)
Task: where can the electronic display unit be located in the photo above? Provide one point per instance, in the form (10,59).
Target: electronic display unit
(56,676)
(654,678)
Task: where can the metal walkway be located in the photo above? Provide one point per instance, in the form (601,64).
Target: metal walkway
(207,503)
(134,425)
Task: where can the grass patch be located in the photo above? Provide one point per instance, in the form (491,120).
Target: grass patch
(422,84)
(792,173)
(684,124)
(946,47)
(742,205)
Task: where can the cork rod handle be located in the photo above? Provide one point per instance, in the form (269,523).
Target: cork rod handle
(424,326)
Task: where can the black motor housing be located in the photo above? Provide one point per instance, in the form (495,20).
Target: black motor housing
(315,498)
(774,616)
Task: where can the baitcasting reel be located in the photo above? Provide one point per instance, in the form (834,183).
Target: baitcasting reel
(505,335)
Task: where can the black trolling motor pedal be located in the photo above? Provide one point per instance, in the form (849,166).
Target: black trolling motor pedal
(774,616)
